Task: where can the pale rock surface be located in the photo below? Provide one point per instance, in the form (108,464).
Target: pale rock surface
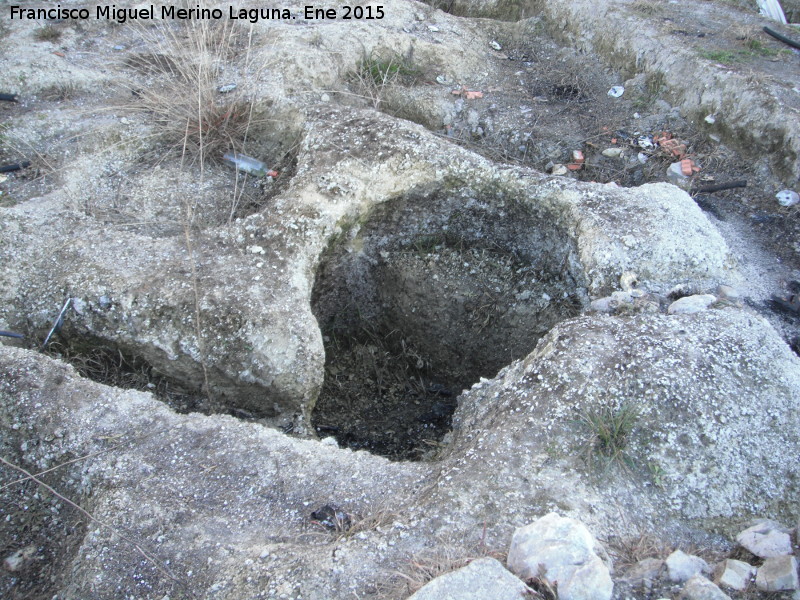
(734,574)
(568,555)
(481,579)
(700,588)
(778,573)
(691,304)
(766,539)
(682,567)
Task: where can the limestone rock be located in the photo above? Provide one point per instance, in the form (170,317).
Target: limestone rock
(691,304)
(20,559)
(645,572)
(778,573)
(606,304)
(568,554)
(481,579)
(682,567)
(766,539)
(700,588)
(707,437)
(734,574)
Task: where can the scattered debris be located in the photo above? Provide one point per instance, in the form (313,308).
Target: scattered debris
(57,323)
(15,166)
(249,165)
(710,119)
(8,97)
(787,198)
(11,334)
(332,517)
(718,187)
(676,176)
(671,145)
(689,167)
(228,87)
(577,161)
(495,45)
(468,94)
(612,152)
(616,91)
(433,28)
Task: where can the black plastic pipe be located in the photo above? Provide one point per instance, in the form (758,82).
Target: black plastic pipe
(15,166)
(783,38)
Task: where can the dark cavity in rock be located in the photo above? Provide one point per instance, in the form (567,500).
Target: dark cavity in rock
(424,296)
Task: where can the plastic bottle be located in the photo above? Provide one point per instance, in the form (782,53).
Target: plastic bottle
(246,163)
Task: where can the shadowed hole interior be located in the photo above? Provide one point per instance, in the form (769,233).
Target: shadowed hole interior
(424,296)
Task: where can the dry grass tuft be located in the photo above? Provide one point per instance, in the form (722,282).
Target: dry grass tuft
(629,551)
(61,92)
(185,72)
(47,33)
(378,71)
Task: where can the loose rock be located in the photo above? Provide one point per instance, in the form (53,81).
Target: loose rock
(645,572)
(682,567)
(19,559)
(691,304)
(567,552)
(700,588)
(766,539)
(734,574)
(482,578)
(777,574)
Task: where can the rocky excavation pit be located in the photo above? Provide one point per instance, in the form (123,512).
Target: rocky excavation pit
(426,295)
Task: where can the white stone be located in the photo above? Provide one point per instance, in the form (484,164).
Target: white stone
(766,539)
(628,281)
(622,297)
(734,574)
(567,552)
(604,305)
(691,304)
(728,292)
(777,574)
(19,559)
(481,579)
(612,152)
(700,588)
(682,567)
